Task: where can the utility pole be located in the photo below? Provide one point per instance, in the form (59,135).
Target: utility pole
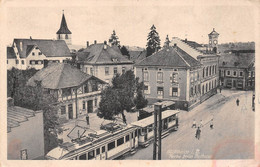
(155,135)
(157,113)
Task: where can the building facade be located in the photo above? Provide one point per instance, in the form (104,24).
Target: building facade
(23,141)
(103,61)
(76,92)
(237,71)
(171,74)
(34,53)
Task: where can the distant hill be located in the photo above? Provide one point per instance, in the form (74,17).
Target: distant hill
(134,48)
(237,46)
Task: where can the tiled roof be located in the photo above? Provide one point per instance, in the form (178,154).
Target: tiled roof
(10,53)
(16,115)
(59,75)
(96,54)
(192,43)
(170,57)
(137,56)
(241,60)
(213,32)
(50,48)
(63,27)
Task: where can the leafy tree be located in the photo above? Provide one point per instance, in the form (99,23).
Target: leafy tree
(153,41)
(35,98)
(140,100)
(113,40)
(120,96)
(124,51)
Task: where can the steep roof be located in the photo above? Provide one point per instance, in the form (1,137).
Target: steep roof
(96,54)
(170,57)
(10,53)
(241,60)
(137,56)
(50,48)
(59,75)
(63,26)
(213,32)
(17,115)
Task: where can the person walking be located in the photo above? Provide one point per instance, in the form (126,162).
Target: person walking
(87,119)
(198,131)
(194,123)
(220,89)
(211,124)
(237,102)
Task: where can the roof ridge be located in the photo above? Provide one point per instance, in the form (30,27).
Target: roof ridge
(180,55)
(60,74)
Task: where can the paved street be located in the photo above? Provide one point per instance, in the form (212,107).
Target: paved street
(231,138)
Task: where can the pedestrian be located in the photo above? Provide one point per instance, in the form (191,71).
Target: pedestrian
(201,124)
(211,124)
(193,124)
(87,119)
(198,131)
(237,102)
(220,89)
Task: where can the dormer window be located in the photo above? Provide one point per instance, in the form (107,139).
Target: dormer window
(114,59)
(36,48)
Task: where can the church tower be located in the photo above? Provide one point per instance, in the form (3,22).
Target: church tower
(64,33)
(213,41)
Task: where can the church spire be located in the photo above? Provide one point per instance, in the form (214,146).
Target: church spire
(63,26)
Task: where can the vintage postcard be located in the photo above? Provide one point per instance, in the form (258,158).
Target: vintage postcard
(144,83)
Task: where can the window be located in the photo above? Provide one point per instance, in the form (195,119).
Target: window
(159,76)
(127,138)
(98,151)
(36,48)
(123,69)
(209,85)
(191,91)
(83,157)
(228,73)
(40,53)
(66,36)
(33,53)
(207,71)
(91,71)
(91,154)
(206,87)
(160,91)
(24,154)
(146,89)
(253,74)
(203,72)
(120,141)
(241,73)
(136,133)
(36,62)
(146,76)
(115,70)
(22,61)
(174,91)
(63,110)
(106,70)
(86,88)
(111,145)
(150,128)
(17,61)
(66,92)
(202,89)
(40,62)
(173,79)
(210,70)
(32,62)
(234,73)
(83,105)
(95,102)
(103,149)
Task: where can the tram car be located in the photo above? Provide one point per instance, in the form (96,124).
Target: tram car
(112,141)
(146,126)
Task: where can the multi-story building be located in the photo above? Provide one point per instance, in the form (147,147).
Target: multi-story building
(77,93)
(171,74)
(237,70)
(34,53)
(103,61)
(25,137)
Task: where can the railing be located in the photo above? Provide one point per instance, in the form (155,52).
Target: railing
(71,97)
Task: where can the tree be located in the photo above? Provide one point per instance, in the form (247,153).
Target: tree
(153,41)
(35,98)
(124,51)
(140,100)
(113,40)
(120,96)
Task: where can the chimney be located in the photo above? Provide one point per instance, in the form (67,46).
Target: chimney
(87,43)
(10,102)
(30,37)
(105,44)
(186,40)
(213,29)
(95,41)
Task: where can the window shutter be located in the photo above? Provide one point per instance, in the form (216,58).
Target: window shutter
(170,93)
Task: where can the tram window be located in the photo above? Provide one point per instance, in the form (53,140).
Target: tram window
(103,149)
(127,138)
(83,157)
(91,154)
(170,119)
(150,128)
(98,151)
(111,145)
(120,141)
(135,132)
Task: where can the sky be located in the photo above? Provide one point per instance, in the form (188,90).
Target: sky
(132,22)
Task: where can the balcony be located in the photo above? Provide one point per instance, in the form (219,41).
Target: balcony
(72,97)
